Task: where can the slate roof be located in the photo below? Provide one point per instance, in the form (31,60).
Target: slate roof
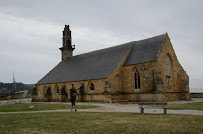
(145,50)
(99,64)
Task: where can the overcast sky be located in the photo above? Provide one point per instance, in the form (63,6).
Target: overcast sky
(31,31)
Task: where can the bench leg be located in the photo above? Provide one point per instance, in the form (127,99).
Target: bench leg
(142,110)
(165,110)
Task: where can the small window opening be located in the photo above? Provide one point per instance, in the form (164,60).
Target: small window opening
(137,79)
(57,89)
(91,86)
(68,43)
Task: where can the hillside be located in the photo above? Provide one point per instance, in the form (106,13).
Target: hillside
(7,88)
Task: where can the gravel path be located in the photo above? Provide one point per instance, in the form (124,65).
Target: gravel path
(115,107)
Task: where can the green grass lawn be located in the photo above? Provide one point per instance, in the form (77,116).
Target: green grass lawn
(191,106)
(99,123)
(39,106)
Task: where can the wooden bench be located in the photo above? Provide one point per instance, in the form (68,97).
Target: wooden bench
(152,105)
(123,101)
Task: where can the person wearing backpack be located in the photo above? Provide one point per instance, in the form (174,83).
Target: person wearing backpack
(73,97)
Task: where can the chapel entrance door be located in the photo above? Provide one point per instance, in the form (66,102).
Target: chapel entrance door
(64,95)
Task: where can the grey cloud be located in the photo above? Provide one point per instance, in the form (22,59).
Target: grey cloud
(32,31)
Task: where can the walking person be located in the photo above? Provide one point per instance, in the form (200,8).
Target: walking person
(73,97)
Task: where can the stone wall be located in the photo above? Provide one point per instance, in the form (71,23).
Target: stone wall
(99,90)
(146,78)
(66,53)
(150,97)
(179,80)
(196,95)
(117,72)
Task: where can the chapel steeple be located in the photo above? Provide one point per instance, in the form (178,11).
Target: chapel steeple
(67,48)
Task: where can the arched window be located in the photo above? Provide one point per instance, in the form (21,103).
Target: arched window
(91,86)
(137,79)
(63,90)
(57,89)
(48,91)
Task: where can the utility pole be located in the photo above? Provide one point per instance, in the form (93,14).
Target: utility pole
(14,83)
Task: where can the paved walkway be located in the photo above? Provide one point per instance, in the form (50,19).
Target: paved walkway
(115,107)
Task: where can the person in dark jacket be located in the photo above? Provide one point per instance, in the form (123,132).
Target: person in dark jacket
(73,97)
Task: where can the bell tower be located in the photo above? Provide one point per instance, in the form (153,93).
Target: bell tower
(67,48)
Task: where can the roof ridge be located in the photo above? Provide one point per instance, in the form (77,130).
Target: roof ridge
(151,37)
(103,49)
(117,45)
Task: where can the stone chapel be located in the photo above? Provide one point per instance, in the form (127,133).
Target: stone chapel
(144,70)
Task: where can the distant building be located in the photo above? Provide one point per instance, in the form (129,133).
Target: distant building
(145,70)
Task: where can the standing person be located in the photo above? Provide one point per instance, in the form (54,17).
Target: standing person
(73,97)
